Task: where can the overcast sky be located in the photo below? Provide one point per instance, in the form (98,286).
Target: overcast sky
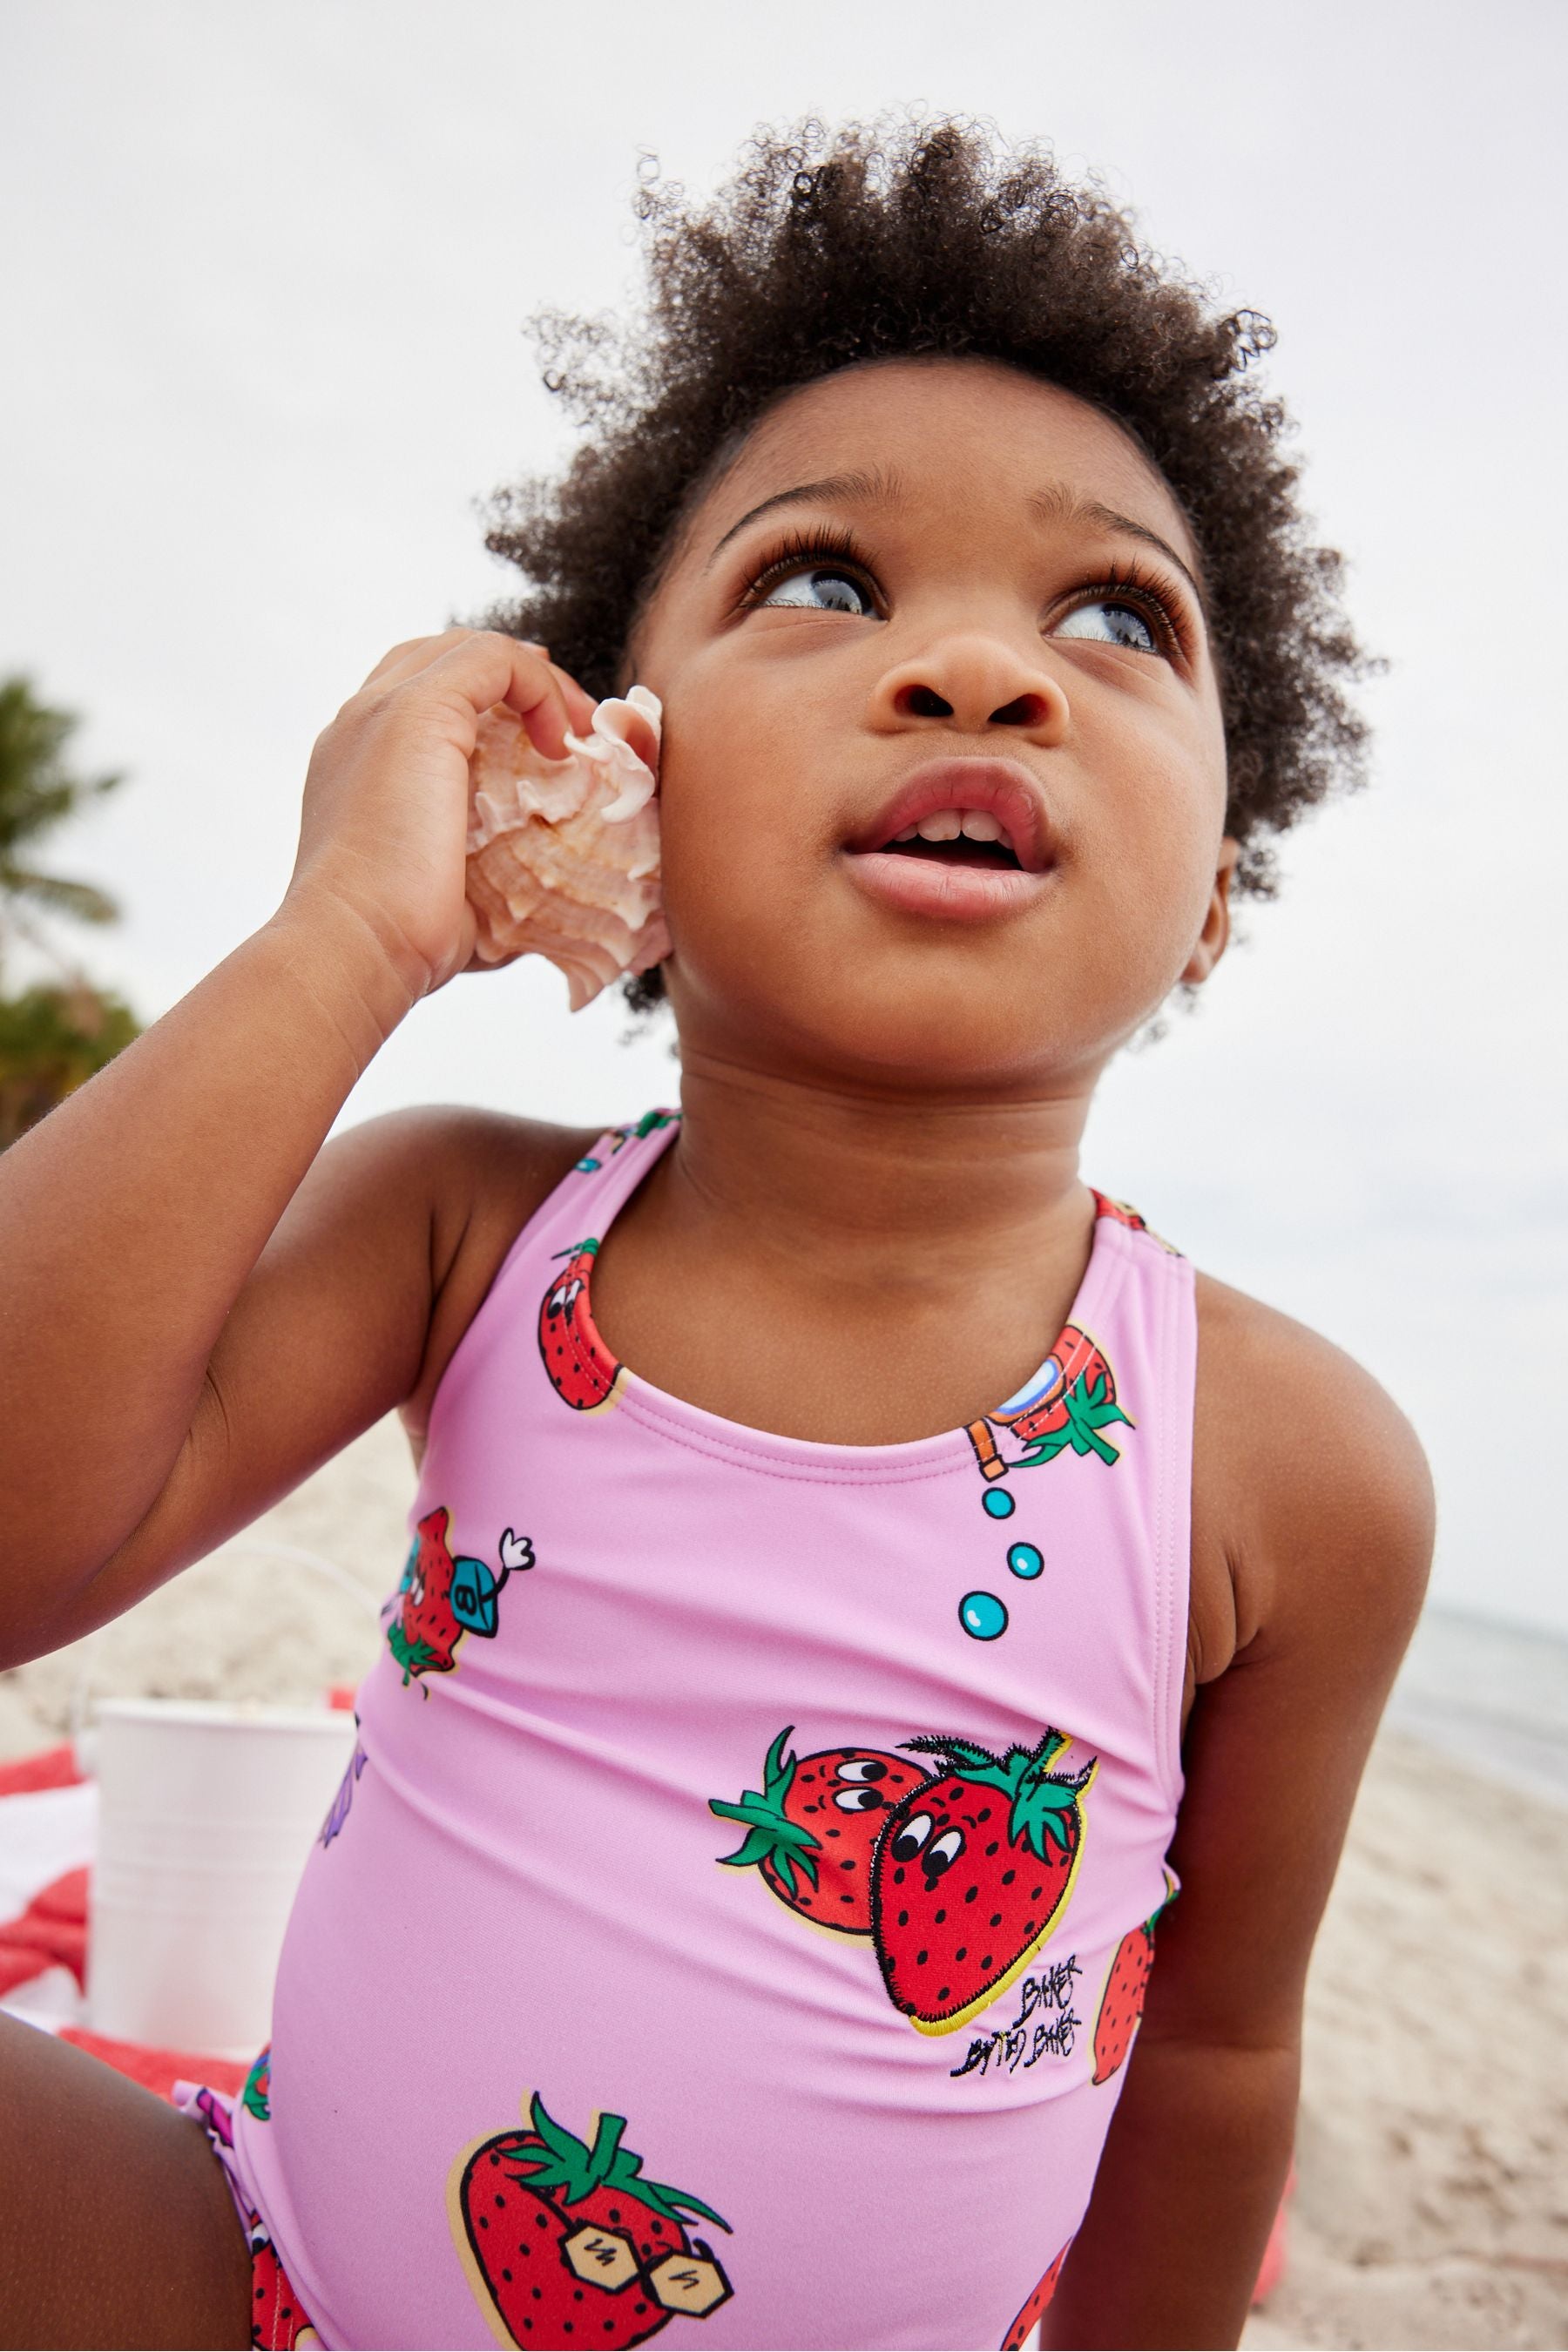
(265,271)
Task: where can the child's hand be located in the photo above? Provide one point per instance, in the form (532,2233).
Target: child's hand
(384,821)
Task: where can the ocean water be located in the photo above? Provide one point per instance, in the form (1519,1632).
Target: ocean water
(1492,1695)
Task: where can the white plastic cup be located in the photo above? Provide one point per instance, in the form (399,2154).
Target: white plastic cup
(206,1817)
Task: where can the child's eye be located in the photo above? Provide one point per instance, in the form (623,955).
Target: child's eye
(1111,623)
(822,589)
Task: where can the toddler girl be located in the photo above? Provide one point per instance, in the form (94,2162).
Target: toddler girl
(865,1592)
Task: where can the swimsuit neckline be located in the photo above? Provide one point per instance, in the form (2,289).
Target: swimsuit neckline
(943,1450)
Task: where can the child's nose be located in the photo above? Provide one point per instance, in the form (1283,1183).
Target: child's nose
(977,682)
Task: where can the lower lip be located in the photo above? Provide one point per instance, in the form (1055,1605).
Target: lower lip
(953,894)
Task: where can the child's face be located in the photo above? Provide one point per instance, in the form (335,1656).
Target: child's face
(981,627)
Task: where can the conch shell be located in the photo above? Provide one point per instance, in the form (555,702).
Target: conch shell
(563,854)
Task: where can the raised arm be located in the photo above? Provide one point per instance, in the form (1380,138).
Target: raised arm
(1316,1485)
(137,1319)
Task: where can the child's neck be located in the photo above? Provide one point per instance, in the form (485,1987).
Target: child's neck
(856,1186)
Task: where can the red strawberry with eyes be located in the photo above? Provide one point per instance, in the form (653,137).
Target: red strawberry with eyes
(1121,2001)
(582,1370)
(570,2243)
(1034,2310)
(441,1598)
(1071,1402)
(813,1827)
(969,1874)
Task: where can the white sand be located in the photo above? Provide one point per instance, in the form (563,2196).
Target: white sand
(1433,2148)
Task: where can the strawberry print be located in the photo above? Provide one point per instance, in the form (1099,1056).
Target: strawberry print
(1119,1212)
(441,1598)
(971,1874)
(1121,2000)
(1034,2311)
(582,1370)
(647,1125)
(1071,1402)
(258,2092)
(567,2242)
(813,1827)
(278,2323)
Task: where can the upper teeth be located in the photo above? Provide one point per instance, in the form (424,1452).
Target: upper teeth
(946,825)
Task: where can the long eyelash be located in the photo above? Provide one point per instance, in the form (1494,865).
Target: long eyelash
(821,544)
(1149,593)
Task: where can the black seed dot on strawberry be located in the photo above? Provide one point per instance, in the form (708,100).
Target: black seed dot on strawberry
(1009,1876)
(485,2218)
(848,1859)
(806,1777)
(1028,1927)
(983,1814)
(640,2308)
(942,1994)
(506,2274)
(1034,1893)
(615,2212)
(566,2327)
(993,1845)
(920,1958)
(538,2294)
(985,1963)
(899,1876)
(494,2159)
(576,2295)
(970,1894)
(849,1900)
(834,1833)
(500,2201)
(542,2220)
(961,1953)
(903,1918)
(995,1919)
(658,2229)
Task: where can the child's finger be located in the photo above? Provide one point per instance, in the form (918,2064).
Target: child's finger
(490,669)
(413,655)
(580,704)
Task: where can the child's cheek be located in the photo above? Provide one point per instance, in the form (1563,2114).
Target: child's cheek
(731,852)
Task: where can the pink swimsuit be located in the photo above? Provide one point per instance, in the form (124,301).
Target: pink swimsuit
(736,1916)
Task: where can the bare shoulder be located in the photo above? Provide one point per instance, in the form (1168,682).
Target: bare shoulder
(1307,1477)
(1312,1544)
(489,1172)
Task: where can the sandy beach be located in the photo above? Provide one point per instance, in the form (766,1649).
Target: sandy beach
(1433,2144)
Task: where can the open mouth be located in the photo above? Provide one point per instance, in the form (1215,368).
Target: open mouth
(972,837)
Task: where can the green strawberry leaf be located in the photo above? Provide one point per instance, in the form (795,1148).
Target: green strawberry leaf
(771,1836)
(414,1657)
(1039,1798)
(1090,1411)
(579,2170)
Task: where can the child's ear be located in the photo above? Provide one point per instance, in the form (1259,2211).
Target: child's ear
(1212,939)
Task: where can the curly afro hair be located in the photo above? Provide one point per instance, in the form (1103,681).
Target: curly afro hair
(907,237)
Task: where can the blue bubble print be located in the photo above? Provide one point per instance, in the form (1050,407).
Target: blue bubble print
(998,1502)
(982,1614)
(1024,1559)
